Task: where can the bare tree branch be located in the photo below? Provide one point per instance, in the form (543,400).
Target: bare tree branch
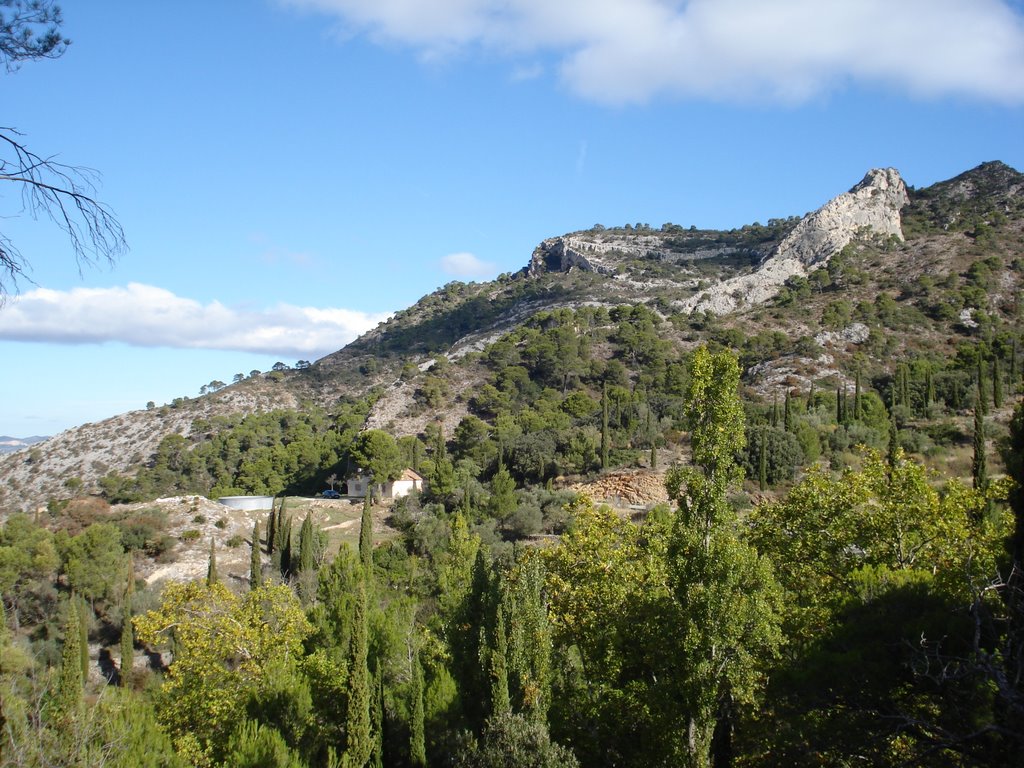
(65,195)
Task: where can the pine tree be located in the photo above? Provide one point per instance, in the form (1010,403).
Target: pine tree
(211,569)
(604,425)
(979,468)
(366,535)
(255,561)
(417,727)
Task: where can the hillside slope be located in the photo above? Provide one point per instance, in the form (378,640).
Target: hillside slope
(878,273)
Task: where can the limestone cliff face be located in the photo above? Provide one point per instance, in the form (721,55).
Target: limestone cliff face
(561,254)
(874,204)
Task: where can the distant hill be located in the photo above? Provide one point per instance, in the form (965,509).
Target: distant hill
(10,444)
(879,277)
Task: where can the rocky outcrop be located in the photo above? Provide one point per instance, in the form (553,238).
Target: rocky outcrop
(873,205)
(561,254)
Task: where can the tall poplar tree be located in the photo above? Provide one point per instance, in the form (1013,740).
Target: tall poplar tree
(729,602)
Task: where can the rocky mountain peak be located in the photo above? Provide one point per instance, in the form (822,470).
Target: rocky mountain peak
(872,205)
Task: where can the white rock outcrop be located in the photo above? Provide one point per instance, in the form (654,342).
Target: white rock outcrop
(874,204)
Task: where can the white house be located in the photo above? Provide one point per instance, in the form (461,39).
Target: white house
(406,483)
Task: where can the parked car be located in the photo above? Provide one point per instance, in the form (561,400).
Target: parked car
(331,494)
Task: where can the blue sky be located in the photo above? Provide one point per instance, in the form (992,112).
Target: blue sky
(288,172)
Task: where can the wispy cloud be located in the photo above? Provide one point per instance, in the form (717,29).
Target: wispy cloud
(581,157)
(525,72)
(467,265)
(629,51)
(147,316)
(271,253)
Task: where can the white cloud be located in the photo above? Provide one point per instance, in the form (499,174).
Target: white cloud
(467,265)
(147,316)
(629,51)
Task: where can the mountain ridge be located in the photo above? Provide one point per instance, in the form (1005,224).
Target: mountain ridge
(672,270)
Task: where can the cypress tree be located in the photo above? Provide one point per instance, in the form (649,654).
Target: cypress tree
(377,722)
(856,396)
(69,680)
(4,635)
(501,703)
(417,727)
(839,405)
(894,439)
(211,569)
(810,396)
(358,739)
(762,461)
(286,547)
(255,561)
(787,411)
(775,410)
(929,388)
(997,384)
(979,469)
(83,630)
(307,561)
(127,630)
(127,645)
(982,399)
(654,457)
(366,535)
(1014,366)
(604,425)
(271,531)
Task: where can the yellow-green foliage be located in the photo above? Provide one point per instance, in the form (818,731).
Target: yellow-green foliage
(224,646)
